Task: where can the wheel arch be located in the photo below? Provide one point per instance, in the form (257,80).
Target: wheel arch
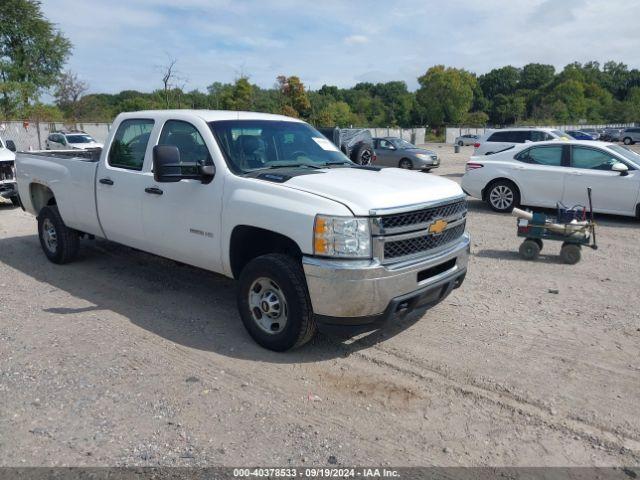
(248,242)
(41,196)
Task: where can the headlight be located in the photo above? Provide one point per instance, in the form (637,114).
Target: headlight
(424,156)
(341,237)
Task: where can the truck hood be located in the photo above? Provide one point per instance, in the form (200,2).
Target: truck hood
(362,190)
(6,155)
(83,146)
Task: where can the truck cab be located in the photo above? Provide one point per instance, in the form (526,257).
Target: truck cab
(313,239)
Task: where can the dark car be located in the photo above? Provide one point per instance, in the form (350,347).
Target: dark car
(579,135)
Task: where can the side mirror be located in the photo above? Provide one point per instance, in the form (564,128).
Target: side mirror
(621,168)
(11,145)
(168,168)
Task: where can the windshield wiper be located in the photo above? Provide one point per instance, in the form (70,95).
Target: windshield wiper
(326,164)
(293,165)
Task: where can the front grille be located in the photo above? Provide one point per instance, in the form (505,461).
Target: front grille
(6,172)
(418,217)
(415,245)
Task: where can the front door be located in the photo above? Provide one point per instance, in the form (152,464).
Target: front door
(610,191)
(540,174)
(182,219)
(121,183)
(386,154)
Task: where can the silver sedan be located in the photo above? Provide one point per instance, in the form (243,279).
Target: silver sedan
(395,152)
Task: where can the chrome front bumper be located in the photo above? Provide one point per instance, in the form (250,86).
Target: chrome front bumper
(365,289)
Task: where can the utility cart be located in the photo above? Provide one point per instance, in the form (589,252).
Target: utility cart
(570,226)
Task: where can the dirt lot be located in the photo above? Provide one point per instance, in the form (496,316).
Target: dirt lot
(123,358)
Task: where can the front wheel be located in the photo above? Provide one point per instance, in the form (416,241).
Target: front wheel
(59,242)
(570,253)
(406,164)
(529,249)
(627,141)
(274,303)
(502,196)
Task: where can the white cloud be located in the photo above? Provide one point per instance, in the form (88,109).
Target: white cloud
(356,40)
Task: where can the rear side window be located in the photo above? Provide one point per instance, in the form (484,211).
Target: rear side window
(499,137)
(550,156)
(513,136)
(130,144)
(538,136)
(591,158)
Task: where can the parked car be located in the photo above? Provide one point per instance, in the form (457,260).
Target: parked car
(396,152)
(71,140)
(8,188)
(594,132)
(497,140)
(629,136)
(313,239)
(466,139)
(579,135)
(543,174)
(611,134)
(355,143)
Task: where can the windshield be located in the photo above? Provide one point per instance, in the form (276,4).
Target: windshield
(402,144)
(561,134)
(626,153)
(250,145)
(79,139)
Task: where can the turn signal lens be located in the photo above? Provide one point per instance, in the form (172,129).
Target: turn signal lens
(341,237)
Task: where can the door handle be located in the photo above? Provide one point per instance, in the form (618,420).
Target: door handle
(106,181)
(153,190)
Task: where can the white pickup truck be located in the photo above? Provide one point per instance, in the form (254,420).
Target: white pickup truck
(314,240)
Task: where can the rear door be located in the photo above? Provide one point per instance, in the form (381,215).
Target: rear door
(121,183)
(181,220)
(540,172)
(611,192)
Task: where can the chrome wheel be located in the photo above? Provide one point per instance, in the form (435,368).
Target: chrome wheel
(49,235)
(268,305)
(501,197)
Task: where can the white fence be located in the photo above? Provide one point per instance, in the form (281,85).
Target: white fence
(453,132)
(30,135)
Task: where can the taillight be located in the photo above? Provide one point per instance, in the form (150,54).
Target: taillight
(472,166)
(374,158)
(476,145)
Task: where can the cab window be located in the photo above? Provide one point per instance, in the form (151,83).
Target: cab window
(188,140)
(130,144)
(549,156)
(591,158)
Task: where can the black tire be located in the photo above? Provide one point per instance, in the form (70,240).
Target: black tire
(627,141)
(570,253)
(16,201)
(502,196)
(529,249)
(461,143)
(539,242)
(362,154)
(62,249)
(406,164)
(288,281)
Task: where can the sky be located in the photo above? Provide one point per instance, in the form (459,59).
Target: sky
(123,44)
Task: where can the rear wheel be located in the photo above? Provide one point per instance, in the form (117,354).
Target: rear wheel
(502,196)
(406,164)
(529,249)
(274,303)
(461,143)
(570,253)
(59,242)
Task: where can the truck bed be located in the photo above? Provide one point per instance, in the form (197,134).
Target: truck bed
(71,176)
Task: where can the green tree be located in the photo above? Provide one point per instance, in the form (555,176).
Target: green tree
(295,99)
(32,53)
(445,94)
(536,75)
(498,81)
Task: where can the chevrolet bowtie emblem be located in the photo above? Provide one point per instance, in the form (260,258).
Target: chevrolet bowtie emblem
(438,226)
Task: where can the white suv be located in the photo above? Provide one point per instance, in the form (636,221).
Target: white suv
(497,140)
(70,141)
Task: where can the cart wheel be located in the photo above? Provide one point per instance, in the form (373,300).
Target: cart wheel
(529,250)
(539,242)
(570,253)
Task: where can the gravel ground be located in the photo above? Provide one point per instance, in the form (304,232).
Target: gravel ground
(123,358)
